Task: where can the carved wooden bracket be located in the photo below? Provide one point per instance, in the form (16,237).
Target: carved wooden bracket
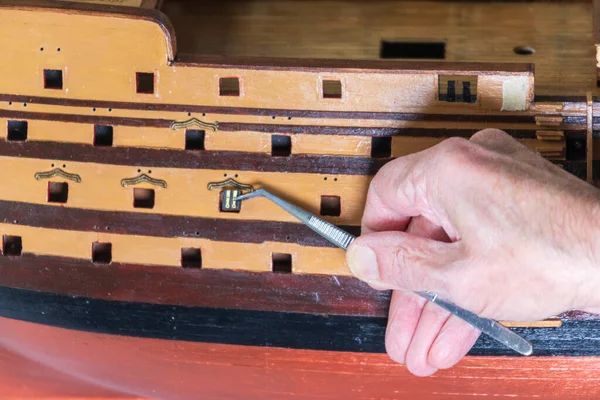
(194,122)
(143,178)
(57,172)
(230,183)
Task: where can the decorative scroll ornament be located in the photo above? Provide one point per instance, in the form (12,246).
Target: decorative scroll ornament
(143,178)
(57,172)
(230,184)
(194,122)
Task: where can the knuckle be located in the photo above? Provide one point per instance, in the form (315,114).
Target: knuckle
(408,267)
(455,153)
(402,276)
(490,134)
(454,145)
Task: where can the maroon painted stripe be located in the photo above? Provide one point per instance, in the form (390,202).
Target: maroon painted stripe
(241,290)
(366,131)
(158,225)
(86,119)
(210,160)
(315,294)
(18,100)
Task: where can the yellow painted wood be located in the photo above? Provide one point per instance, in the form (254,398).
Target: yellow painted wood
(186,192)
(487,31)
(167,251)
(89,72)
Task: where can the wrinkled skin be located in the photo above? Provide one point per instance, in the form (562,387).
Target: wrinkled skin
(486,224)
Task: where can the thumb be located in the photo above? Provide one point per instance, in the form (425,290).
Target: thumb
(398,260)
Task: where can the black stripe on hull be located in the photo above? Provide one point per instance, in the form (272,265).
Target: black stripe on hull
(258,328)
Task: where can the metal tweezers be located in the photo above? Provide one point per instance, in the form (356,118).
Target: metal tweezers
(343,239)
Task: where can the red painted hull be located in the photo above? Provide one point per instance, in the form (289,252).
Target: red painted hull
(62,364)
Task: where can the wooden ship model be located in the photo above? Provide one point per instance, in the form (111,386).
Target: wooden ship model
(129,270)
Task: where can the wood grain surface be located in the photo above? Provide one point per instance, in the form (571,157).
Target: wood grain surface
(560,32)
(158,369)
(26,379)
(379,98)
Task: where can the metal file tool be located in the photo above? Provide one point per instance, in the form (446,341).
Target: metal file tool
(343,239)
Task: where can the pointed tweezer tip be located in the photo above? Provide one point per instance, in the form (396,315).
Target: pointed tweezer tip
(250,195)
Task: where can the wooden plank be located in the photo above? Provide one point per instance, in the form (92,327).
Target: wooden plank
(164,226)
(560,32)
(126,3)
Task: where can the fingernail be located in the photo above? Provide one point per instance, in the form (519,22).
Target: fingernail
(363,263)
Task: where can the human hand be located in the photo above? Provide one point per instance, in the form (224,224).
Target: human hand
(486,224)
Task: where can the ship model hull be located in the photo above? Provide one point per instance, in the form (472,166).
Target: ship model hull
(127,268)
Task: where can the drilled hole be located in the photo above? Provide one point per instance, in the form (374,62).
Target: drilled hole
(103,136)
(524,50)
(332,89)
(58,192)
(194,139)
(101,252)
(143,198)
(381,147)
(17,130)
(331,206)
(12,245)
(191,257)
(229,87)
(144,82)
(281,146)
(281,263)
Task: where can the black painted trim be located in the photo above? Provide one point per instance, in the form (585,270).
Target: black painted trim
(258,328)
